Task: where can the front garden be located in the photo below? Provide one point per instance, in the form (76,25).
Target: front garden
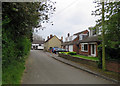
(80,56)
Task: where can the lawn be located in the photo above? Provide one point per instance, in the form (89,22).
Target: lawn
(86,57)
(81,56)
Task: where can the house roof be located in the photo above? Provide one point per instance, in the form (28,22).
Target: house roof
(69,43)
(66,43)
(89,39)
(49,39)
(52,37)
(84,32)
(38,42)
(85,40)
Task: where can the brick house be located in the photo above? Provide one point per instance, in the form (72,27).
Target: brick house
(84,43)
(88,46)
(80,36)
(70,43)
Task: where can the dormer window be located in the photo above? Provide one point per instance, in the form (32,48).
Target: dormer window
(82,36)
(94,31)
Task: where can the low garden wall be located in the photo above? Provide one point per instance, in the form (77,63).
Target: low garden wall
(113,66)
(110,65)
(79,60)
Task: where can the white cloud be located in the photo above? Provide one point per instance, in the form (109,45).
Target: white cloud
(71,16)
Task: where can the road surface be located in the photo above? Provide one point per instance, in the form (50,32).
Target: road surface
(42,69)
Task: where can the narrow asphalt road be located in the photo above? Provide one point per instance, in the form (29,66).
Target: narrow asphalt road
(42,69)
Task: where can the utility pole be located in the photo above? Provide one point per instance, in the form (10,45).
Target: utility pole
(103,40)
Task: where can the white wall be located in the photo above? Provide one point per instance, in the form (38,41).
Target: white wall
(71,48)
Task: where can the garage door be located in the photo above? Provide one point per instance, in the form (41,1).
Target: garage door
(71,48)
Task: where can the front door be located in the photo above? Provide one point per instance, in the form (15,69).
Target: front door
(93,50)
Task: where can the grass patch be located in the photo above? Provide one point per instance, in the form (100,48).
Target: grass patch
(13,73)
(64,53)
(86,57)
(81,56)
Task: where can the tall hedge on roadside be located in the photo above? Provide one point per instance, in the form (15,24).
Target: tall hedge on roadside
(18,21)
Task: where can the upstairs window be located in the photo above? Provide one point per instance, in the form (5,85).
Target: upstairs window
(82,36)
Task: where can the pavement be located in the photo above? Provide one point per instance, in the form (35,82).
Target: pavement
(84,68)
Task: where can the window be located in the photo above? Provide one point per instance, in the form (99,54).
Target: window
(84,36)
(84,47)
(94,32)
(80,37)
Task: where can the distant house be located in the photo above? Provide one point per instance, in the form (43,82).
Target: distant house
(38,44)
(52,41)
(66,45)
(70,43)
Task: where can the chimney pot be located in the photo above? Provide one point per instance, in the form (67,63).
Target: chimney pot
(68,34)
(51,36)
(62,38)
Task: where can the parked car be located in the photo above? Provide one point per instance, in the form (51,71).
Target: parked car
(54,49)
(59,50)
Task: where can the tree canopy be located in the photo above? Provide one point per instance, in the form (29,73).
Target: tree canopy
(111,26)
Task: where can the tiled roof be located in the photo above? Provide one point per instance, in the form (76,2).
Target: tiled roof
(85,40)
(52,37)
(49,39)
(65,43)
(89,39)
(38,41)
(84,32)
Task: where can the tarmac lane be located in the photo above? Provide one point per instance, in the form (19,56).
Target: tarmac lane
(42,69)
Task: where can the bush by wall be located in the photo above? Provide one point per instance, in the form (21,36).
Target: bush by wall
(71,53)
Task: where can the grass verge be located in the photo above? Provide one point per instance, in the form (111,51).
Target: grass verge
(86,57)
(13,73)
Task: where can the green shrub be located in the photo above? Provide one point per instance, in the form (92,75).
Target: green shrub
(8,50)
(63,52)
(71,53)
(23,46)
(13,57)
(112,53)
(12,74)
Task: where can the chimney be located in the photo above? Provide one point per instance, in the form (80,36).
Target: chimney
(62,38)
(51,36)
(68,34)
(47,37)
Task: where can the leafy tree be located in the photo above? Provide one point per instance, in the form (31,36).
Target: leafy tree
(109,23)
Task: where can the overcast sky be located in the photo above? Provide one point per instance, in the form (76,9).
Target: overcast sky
(71,16)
